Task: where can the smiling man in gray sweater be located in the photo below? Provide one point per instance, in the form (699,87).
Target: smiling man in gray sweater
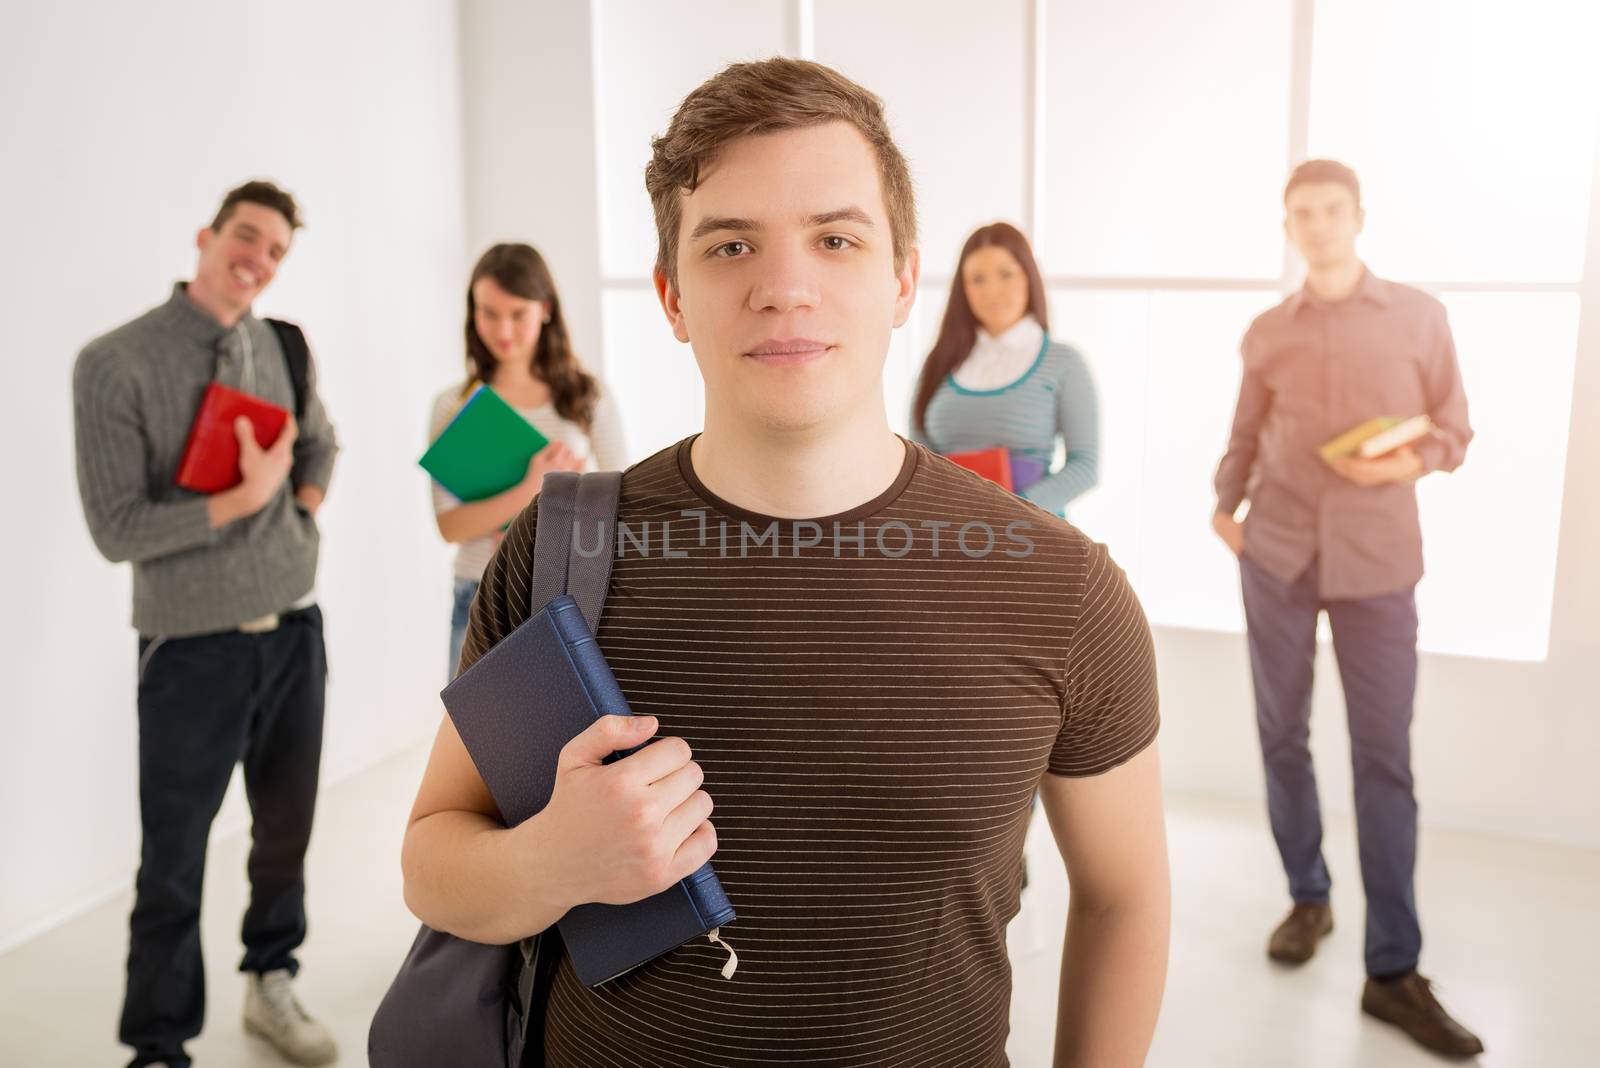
(231,663)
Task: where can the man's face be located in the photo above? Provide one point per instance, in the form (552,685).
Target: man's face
(787,288)
(239,260)
(1322,220)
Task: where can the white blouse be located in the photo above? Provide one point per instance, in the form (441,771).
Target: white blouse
(996,362)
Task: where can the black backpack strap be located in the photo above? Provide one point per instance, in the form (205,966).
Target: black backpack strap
(573,540)
(297,354)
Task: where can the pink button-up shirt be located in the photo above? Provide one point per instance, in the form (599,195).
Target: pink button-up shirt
(1313,370)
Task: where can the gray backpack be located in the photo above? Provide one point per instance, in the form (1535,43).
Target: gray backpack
(462,1003)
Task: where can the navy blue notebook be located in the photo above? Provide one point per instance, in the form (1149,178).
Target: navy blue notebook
(542,685)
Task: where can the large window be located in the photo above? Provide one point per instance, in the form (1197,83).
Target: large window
(1473,125)
(1164,131)
(1143,146)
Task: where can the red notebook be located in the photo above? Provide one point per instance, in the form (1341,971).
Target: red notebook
(211,459)
(993,464)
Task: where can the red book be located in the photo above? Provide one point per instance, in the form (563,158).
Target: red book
(211,458)
(993,464)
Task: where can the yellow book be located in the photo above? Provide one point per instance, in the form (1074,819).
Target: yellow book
(1377,437)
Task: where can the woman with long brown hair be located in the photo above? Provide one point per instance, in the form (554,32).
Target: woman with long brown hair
(996,378)
(517,345)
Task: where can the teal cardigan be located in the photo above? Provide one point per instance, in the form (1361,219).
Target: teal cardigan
(1054,399)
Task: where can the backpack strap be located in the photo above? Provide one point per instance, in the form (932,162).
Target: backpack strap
(297,354)
(594,536)
(573,540)
(572,550)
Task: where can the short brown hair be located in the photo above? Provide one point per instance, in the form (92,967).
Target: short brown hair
(259,191)
(1317,171)
(769,96)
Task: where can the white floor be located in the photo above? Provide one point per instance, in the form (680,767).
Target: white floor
(1513,930)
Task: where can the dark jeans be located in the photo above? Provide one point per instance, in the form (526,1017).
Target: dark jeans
(1375,643)
(205,704)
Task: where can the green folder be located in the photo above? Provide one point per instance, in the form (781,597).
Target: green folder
(484,450)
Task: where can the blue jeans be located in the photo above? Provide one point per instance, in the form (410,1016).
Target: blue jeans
(1375,643)
(460,613)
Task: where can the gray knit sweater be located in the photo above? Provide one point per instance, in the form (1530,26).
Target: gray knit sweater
(135,394)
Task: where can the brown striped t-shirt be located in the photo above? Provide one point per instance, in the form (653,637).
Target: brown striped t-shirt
(873,697)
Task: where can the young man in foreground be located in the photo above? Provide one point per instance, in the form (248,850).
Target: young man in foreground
(868,657)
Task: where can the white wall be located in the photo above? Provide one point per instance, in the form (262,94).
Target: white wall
(122,127)
(529,140)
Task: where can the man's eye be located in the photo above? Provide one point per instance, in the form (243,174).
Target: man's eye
(835,243)
(730,249)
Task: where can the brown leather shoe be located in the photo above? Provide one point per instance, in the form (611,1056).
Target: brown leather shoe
(1409,1004)
(1297,936)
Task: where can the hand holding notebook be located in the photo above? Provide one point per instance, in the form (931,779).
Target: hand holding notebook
(546,685)
(629,813)
(1377,437)
(210,461)
(485,450)
(518,709)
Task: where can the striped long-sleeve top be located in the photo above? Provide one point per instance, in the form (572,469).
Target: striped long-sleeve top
(1053,400)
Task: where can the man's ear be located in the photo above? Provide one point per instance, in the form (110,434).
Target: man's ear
(203,238)
(906,282)
(667,294)
(1361,219)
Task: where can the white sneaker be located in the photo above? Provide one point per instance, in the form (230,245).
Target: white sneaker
(272,1012)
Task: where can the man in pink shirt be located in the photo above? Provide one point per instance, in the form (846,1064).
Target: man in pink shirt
(1342,536)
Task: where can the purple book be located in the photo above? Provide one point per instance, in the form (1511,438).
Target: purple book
(1025,472)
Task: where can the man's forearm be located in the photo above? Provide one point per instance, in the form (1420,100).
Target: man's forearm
(228,505)
(477,519)
(141,530)
(1113,972)
(458,880)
